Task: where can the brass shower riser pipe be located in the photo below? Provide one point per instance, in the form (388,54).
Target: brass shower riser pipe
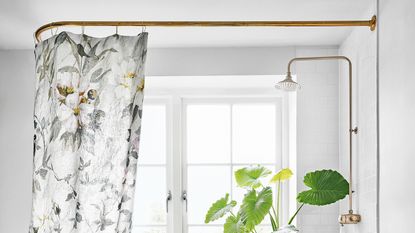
(351,217)
(346,23)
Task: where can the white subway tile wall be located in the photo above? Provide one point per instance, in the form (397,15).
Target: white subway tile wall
(317,131)
(360,46)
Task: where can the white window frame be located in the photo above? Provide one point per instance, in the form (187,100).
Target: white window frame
(162,100)
(169,91)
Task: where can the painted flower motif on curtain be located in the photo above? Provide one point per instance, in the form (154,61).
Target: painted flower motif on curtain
(87,121)
(126,76)
(77,101)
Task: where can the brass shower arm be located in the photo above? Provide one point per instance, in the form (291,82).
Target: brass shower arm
(351,129)
(318,58)
(349,218)
(371,23)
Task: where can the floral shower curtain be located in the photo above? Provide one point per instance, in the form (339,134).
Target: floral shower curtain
(87,121)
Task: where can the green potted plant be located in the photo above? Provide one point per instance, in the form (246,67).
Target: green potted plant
(325,187)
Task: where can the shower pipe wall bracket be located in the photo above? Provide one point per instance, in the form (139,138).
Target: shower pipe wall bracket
(349,218)
(371,23)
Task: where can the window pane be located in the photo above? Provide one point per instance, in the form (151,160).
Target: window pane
(206,184)
(153,135)
(253,133)
(149,230)
(208,133)
(205,229)
(150,193)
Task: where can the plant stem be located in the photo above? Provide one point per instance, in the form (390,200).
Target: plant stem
(278,203)
(273,224)
(232,214)
(295,214)
(277,221)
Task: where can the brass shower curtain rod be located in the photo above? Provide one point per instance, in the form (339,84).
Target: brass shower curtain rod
(345,23)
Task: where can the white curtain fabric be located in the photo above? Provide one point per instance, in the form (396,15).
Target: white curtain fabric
(87,121)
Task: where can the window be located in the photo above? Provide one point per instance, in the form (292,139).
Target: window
(192,142)
(221,137)
(150,215)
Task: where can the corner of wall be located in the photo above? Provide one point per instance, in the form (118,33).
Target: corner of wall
(360,47)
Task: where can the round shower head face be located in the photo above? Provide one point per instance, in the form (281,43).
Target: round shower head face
(288,84)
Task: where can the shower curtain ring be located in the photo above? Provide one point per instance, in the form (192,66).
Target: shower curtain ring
(83,30)
(54,33)
(116,30)
(35,40)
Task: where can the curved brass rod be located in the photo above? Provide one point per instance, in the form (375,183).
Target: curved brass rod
(350,23)
(351,128)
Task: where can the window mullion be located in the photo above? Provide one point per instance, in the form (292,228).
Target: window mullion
(231,148)
(176,186)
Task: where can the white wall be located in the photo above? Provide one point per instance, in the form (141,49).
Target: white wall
(397,115)
(360,47)
(317,131)
(16,139)
(317,116)
(218,61)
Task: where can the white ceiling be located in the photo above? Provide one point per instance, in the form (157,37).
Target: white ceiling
(20,18)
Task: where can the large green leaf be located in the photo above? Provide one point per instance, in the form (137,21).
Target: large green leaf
(234,224)
(255,207)
(326,187)
(219,209)
(283,174)
(250,176)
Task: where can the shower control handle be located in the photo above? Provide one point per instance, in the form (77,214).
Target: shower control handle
(168,198)
(184,197)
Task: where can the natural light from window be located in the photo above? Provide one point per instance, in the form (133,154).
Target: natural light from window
(194,144)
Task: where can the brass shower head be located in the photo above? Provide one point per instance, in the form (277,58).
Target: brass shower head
(288,84)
